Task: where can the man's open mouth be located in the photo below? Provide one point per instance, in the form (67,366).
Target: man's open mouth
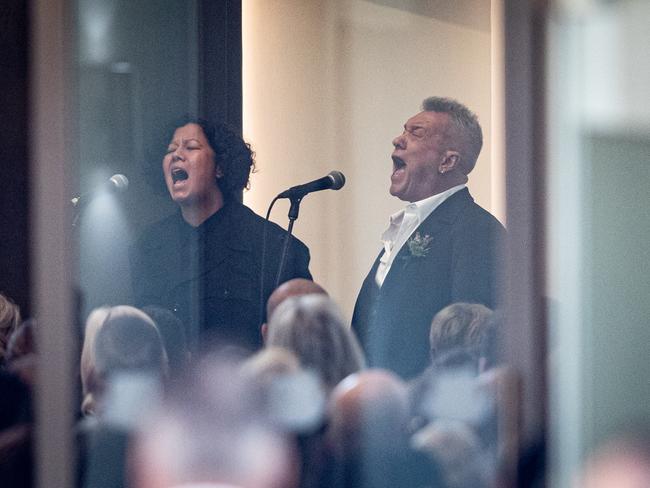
(398,164)
(179,174)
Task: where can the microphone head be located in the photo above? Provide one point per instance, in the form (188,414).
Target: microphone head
(119,182)
(338,180)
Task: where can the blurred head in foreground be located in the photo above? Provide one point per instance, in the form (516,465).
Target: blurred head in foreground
(292,288)
(211,430)
(457,450)
(368,439)
(367,410)
(311,327)
(270,362)
(622,462)
(117,340)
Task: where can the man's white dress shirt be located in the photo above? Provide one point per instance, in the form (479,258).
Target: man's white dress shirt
(403,224)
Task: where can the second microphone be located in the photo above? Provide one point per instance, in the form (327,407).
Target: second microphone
(333,181)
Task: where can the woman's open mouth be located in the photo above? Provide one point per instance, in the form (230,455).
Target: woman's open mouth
(179,174)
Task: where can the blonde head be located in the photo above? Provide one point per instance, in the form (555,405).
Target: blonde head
(96,319)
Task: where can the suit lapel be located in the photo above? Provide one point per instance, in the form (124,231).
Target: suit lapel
(369,288)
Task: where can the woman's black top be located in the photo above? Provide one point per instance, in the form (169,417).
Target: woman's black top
(209,275)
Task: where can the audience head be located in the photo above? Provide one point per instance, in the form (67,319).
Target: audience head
(621,462)
(9,320)
(367,410)
(312,328)
(294,397)
(459,326)
(97,362)
(456,449)
(211,429)
(458,358)
(269,363)
(129,343)
(292,288)
(87,363)
(488,347)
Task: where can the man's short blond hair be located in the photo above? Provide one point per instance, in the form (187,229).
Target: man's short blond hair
(459,326)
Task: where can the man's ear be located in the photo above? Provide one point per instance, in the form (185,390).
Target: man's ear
(450,162)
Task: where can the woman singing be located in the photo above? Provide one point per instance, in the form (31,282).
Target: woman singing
(204,262)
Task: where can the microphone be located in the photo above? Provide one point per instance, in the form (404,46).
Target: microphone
(117,183)
(333,181)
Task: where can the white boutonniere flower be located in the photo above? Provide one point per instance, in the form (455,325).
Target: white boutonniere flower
(418,245)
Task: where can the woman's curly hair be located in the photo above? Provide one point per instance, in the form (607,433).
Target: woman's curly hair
(232,155)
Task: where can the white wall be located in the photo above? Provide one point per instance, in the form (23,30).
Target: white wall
(328,85)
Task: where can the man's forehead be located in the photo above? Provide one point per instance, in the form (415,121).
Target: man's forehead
(427,119)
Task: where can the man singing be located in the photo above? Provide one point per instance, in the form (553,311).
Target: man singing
(440,249)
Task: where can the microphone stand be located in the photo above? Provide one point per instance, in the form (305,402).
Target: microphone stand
(78,205)
(75,220)
(294,210)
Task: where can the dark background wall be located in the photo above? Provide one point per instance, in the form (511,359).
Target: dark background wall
(220,60)
(14,137)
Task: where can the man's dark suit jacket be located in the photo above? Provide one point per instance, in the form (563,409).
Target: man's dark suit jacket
(210,275)
(461,265)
